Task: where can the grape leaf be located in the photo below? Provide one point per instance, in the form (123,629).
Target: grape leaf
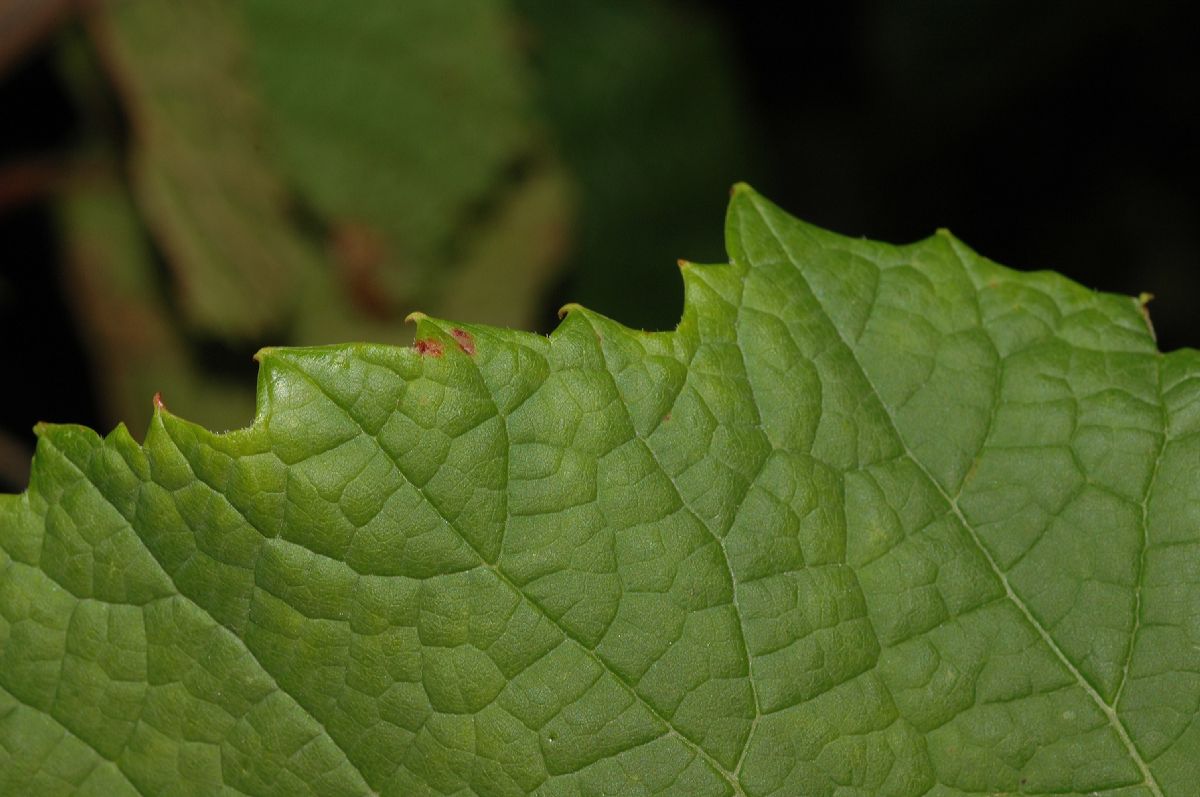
(301,167)
(245,265)
(616,99)
(873,520)
(111,282)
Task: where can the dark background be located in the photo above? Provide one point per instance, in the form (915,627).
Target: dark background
(1045,136)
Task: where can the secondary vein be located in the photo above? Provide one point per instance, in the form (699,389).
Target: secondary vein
(1109,712)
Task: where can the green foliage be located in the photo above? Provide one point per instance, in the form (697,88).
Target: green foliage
(286,154)
(873,520)
(648,132)
(289,174)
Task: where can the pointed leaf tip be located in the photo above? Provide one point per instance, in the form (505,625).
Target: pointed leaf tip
(569,307)
(739,188)
(263,353)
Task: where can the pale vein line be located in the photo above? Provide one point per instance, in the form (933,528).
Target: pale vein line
(718,539)
(1145,542)
(203,610)
(504,577)
(1113,718)
(737,342)
(67,732)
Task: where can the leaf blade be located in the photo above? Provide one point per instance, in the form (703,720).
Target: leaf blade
(789,546)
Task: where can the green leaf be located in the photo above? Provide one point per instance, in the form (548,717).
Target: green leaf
(137,350)
(266,244)
(873,520)
(617,100)
(301,167)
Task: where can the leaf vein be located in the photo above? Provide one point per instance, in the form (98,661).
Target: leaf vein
(240,642)
(1112,716)
(504,577)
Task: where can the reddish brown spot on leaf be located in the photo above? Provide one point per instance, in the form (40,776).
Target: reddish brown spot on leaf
(667,418)
(428,348)
(465,341)
(158,402)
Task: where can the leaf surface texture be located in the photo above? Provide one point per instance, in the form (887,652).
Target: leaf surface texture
(873,520)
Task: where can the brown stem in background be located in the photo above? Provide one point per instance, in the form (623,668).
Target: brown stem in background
(14,462)
(25,23)
(27,180)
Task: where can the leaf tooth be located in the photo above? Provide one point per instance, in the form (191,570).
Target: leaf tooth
(570,307)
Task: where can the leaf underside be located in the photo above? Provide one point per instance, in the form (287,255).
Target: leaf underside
(873,520)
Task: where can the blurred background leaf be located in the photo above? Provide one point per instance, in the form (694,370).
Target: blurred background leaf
(304,169)
(268,173)
(183,183)
(644,100)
